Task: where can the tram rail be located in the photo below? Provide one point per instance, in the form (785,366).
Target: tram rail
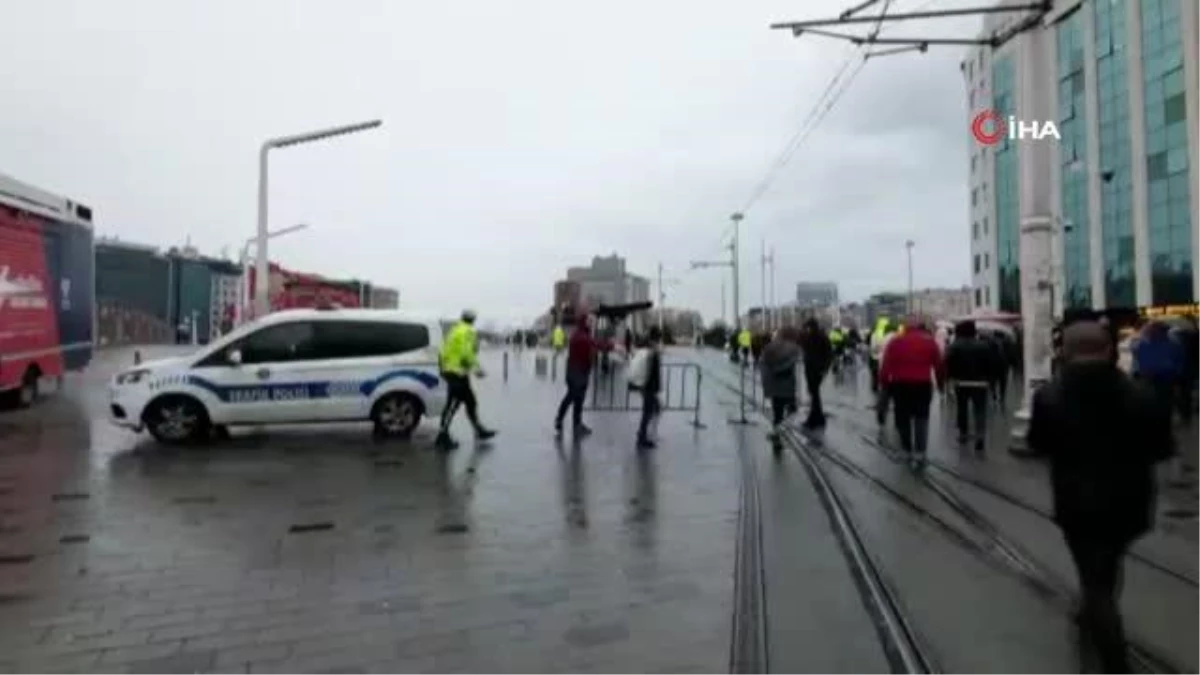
(906,651)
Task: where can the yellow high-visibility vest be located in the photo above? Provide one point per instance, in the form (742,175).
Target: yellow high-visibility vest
(457,355)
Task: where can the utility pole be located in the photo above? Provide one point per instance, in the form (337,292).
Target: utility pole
(732,263)
(774,307)
(768,259)
(724,317)
(662,298)
(909,246)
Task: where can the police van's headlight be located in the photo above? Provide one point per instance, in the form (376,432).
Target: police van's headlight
(132,376)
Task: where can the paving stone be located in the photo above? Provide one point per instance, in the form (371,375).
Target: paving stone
(171,584)
(181,662)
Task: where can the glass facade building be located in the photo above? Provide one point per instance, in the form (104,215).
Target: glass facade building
(1116,194)
(1007,191)
(1073,194)
(1125,77)
(1168,188)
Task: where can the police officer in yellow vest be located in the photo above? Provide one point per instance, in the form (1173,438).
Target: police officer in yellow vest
(875,343)
(558,339)
(458,358)
(744,340)
(837,341)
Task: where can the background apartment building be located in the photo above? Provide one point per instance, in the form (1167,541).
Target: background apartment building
(816,294)
(1125,182)
(606,282)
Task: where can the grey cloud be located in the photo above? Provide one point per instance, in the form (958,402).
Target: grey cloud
(519,138)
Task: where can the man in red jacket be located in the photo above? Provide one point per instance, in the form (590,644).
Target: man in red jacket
(581,352)
(911,365)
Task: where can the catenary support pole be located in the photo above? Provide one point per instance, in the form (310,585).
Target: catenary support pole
(737,318)
(1036,161)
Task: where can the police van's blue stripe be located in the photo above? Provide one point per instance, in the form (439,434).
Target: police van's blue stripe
(306,390)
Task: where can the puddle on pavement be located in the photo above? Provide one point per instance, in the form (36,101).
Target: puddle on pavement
(302,528)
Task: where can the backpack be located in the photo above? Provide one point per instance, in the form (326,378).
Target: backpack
(639,368)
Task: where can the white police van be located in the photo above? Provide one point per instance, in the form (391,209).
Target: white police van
(304,365)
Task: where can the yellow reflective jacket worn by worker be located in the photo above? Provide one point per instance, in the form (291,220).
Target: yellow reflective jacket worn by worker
(558,338)
(835,337)
(458,350)
(744,339)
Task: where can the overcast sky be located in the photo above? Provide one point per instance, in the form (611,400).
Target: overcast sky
(519,138)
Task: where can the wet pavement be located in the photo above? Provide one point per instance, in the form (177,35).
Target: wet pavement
(319,550)
(976,610)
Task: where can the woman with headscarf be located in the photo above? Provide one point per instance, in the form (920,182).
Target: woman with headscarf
(777,363)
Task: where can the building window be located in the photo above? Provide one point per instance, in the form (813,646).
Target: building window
(975,230)
(985,226)
(987,295)
(974,196)
(978,297)
(976,263)
(974,161)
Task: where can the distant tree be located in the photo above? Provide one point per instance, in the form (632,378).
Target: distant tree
(716,336)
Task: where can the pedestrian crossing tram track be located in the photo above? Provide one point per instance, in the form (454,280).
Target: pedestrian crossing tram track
(999,547)
(867,434)
(905,649)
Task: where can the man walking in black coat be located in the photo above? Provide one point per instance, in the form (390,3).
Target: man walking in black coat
(971,366)
(818,357)
(650,388)
(1102,434)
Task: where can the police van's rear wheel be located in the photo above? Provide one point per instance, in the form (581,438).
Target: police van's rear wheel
(173,420)
(397,415)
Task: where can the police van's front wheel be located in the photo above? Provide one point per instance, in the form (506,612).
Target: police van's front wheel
(173,420)
(397,415)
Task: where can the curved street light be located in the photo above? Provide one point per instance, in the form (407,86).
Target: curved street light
(262,300)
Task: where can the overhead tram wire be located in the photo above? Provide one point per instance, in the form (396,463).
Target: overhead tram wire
(820,109)
(785,154)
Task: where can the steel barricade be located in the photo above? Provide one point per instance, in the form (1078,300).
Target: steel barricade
(681,387)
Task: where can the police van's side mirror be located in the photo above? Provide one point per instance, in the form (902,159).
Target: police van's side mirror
(234,357)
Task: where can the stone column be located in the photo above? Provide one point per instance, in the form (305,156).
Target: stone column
(1036,163)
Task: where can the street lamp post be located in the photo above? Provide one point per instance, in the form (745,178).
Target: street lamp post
(909,246)
(244,262)
(662,296)
(261,297)
(768,302)
(732,263)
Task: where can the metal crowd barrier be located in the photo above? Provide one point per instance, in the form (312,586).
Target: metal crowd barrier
(681,385)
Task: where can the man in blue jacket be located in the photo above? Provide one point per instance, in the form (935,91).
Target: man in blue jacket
(1158,361)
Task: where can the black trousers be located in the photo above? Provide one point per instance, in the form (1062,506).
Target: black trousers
(1000,386)
(650,408)
(459,394)
(1098,556)
(971,401)
(1183,397)
(577,384)
(781,407)
(816,412)
(911,401)
(873,366)
(1165,391)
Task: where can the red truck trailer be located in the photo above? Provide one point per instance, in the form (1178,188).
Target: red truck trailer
(47,288)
